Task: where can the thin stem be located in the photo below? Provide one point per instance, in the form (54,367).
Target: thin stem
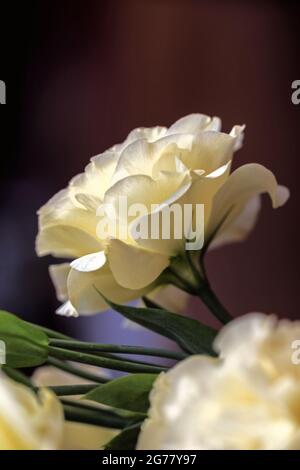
(197,276)
(52,333)
(77,371)
(111,356)
(97,417)
(115,348)
(108,363)
(210,299)
(67,390)
(180,282)
(17,376)
(202,290)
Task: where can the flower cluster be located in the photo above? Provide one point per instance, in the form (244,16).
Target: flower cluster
(236,388)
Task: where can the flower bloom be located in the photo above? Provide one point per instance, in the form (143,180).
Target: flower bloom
(187,163)
(246,399)
(29,421)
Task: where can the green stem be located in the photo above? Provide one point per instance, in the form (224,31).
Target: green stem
(65,390)
(17,376)
(115,348)
(210,299)
(77,371)
(96,417)
(197,276)
(171,276)
(52,333)
(203,290)
(105,362)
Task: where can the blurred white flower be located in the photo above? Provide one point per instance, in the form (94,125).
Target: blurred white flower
(187,163)
(29,421)
(246,399)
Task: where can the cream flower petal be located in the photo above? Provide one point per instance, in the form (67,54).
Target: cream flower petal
(238,133)
(90,262)
(210,151)
(241,186)
(66,228)
(133,267)
(97,175)
(190,124)
(59,275)
(28,421)
(63,208)
(67,310)
(151,134)
(200,191)
(142,157)
(170,245)
(84,288)
(241,226)
(144,190)
(171,298)
(64,241)
(137,158)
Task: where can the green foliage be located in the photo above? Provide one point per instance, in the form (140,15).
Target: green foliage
(26,345)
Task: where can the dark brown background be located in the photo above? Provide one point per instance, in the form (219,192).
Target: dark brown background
(80,75)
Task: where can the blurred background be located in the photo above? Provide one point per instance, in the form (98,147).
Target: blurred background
(80,75)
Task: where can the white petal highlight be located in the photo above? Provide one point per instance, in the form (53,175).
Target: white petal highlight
(67,310)
(90,262)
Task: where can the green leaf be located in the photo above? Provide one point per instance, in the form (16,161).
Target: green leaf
(25,344)
(129,393)
(126,439)
(191,335)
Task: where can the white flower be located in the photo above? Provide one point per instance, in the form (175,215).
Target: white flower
(246,399)
(29,421)
(188,163)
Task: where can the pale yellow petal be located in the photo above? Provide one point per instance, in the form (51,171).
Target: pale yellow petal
(64,241)
(78,436)
(142,157)
(59,275)
(28,421)
(171,298)
(210,151)
(190,124)
(97,175)
(133,267)
(66,227)
(142,189)
(241,186)
(240,227)
(84,288)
